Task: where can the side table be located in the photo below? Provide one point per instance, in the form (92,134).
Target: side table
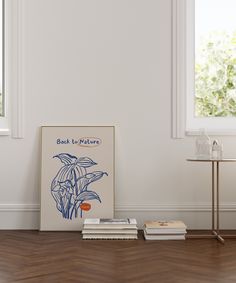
(215,201)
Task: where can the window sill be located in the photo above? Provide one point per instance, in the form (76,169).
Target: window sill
(212,132)
(5,132)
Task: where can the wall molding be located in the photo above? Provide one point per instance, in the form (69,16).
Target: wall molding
(14,65)
(205,207)
(230,207)
(196,216)
(178,68)
(19,207)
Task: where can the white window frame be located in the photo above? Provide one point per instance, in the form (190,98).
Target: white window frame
(183,61)
(3,119)
(12,123)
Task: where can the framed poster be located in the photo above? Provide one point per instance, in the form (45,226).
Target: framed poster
(77,176)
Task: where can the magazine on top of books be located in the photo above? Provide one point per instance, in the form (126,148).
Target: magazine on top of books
(114,221)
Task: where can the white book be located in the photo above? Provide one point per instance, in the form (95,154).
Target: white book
(110,231)
(109,227)
(96,223)
(165,225)
(111,221)
(164,231)
(164,237)
(110,237)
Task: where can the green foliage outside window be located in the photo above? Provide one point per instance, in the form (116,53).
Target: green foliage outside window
(215,77)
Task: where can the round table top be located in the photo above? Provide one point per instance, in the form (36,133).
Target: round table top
(212,160)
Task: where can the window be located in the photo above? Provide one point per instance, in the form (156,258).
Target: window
(204,66)
(4,121)
(11,70)
(215,58)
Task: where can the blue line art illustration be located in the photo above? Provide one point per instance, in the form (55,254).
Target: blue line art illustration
(70,187)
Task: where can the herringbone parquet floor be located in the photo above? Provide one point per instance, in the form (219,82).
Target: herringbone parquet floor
(31,256)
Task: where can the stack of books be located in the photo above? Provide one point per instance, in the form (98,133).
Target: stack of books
(120,229)
(164,230)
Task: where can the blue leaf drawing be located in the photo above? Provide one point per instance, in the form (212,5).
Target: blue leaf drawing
(69,187)
(90,178)
(85,162)
(66,158)
(88,195)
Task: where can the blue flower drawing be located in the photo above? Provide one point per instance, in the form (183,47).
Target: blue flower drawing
(70,188)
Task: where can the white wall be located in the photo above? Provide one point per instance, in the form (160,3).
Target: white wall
(108,62)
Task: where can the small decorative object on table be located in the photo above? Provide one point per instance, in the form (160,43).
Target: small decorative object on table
(217,150)
(203,145)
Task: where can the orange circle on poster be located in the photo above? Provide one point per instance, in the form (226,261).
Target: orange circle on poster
(85,206)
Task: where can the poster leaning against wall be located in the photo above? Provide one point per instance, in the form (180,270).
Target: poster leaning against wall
(77,176)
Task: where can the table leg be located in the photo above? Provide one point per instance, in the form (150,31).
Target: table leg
(218,237)
(217,233)
(217,198)
(213,196)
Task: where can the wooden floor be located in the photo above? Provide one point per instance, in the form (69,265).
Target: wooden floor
(31,256)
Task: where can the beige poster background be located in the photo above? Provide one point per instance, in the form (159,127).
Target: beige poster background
(87,144)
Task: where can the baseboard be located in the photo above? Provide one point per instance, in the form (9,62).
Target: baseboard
(196,216)
(19,216)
